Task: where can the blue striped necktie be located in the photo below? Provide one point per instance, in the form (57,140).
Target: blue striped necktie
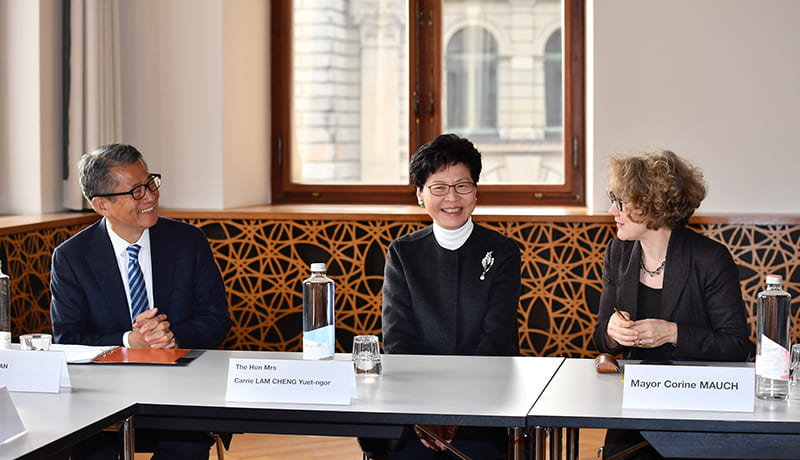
(136,282)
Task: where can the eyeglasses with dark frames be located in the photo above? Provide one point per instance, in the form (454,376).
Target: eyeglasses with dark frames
(462,188)
(615,201)
(139,191)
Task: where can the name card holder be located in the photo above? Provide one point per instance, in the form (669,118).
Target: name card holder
(290,381)
(11,425)
(33,371)
(689,387)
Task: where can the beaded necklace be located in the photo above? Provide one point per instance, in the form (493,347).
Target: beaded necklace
(655,272)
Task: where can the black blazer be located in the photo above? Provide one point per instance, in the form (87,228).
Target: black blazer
(89,305)
(434,301)
(700,293)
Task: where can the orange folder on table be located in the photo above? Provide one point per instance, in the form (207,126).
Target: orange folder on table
(122,355)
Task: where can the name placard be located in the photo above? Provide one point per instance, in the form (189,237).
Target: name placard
(34,371)
(11,424)
(290,381)
(688,387)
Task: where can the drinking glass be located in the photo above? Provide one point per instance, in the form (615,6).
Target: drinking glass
(40,342)
(366,355)
(794,377)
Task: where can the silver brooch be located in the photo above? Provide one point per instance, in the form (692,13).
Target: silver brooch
(486,263)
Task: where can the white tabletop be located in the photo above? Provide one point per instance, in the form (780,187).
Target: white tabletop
(464,390)
(579,397)
(459,390)
(57,420)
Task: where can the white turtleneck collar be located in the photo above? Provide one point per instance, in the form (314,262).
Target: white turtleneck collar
(452,239)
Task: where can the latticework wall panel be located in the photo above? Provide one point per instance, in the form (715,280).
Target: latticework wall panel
(26,259)
(263,263)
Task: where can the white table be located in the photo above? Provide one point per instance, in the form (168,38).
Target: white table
(449,390)
(579,397)
(55,421)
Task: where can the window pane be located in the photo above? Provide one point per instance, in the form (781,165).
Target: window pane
(350,92)
(503,86)
(471,66)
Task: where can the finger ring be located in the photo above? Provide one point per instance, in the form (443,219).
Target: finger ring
(640,342)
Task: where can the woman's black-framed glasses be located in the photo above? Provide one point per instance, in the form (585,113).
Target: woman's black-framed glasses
(138,192)
(462,188)
(615,201)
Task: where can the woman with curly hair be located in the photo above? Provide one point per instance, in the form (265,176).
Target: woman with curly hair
(677,292)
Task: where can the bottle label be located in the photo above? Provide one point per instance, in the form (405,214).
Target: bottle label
(773,361)
(318,343)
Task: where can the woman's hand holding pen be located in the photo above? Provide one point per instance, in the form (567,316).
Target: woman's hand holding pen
(646,333)
(620,330)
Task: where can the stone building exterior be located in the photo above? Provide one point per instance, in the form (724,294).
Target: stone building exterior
(501,77)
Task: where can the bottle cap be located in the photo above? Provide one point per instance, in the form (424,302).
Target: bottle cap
(318,267)
(774,279)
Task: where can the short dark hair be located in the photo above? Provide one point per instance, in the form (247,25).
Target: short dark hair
(658,188)
(445,150)
(95,167)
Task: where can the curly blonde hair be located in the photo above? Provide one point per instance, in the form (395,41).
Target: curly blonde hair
(657,188)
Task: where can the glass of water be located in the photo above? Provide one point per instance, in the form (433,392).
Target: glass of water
(794,377)
(366,355)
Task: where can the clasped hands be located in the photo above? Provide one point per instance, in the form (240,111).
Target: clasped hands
(644,333)
(151,330)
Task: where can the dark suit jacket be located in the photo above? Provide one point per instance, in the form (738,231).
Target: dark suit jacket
(435,303)
(700,293)
(89,305)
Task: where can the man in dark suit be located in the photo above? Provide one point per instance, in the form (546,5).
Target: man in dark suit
(136,280)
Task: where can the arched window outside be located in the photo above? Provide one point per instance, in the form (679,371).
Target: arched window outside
(553,102)
(471,84)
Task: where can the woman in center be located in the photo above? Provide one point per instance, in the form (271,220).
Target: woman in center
(451,288)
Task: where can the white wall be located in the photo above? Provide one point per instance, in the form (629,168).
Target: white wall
(195,86)
(172,95)
(716,81)
(246,103)
(30,101)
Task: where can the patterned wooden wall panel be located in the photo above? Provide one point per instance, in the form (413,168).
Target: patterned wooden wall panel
(561,285)
(26,259)
(264,261)
(759,251)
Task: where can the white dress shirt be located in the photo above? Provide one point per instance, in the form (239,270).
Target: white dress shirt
(121,251)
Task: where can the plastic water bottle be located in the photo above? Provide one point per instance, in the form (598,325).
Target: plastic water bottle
(5,309)
(318,327)
(773,341)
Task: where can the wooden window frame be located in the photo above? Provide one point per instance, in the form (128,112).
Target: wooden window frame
(425,121)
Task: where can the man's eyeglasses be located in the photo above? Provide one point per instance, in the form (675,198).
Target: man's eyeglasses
(615,201)
(462,188)
(138,192)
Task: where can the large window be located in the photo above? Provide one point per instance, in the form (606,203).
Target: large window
(358,86)
(471,66)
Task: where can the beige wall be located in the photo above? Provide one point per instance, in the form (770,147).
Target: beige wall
(195,98)
(30,100)
(714,80)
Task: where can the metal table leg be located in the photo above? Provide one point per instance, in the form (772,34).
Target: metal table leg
(128,445)
(555,443)
(539,450)
(573,438)
(516,443)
